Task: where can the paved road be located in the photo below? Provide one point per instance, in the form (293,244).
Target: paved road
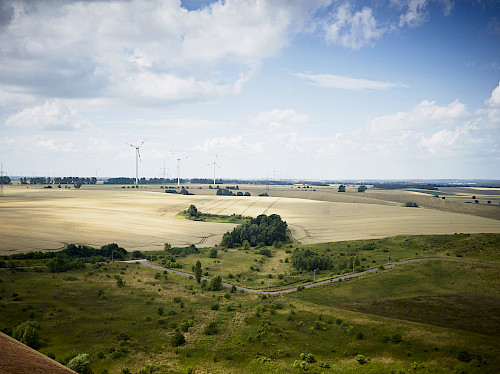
(309,285)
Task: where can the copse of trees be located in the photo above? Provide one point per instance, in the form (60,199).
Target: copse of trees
(305,259)
(341,188)
(4,179)
(263,230)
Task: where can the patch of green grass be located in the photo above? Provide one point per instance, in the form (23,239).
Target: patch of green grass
(217,218)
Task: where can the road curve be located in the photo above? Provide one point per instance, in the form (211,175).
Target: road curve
(309,285)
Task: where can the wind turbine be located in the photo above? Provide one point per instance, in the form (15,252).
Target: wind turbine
(178,166)
(214,162)
(137,157)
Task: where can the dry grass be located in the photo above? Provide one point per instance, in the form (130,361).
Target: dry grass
(44,219)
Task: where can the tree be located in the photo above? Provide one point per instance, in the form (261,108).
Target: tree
(197,271)
(80,363)
(192,211)
(411,204)
(216,283)
(361,188)
(167,247)
(211,329)
(212,253)
(27,333)
(341,188)
(178,339)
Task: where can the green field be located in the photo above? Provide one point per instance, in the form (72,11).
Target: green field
(250,269)
(418,317)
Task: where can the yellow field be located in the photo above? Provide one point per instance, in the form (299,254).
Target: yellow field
(43,219)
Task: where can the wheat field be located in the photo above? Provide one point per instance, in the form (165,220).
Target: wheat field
(35,218)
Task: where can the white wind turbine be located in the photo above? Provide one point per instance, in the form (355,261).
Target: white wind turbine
(137,158)
(214,162)
(178,166)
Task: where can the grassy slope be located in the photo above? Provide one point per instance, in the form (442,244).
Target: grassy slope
(235,263)
(74,320)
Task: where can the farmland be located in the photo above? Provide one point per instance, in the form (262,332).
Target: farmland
(431,316)
(45,219)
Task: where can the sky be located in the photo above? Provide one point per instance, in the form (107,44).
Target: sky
(280,89)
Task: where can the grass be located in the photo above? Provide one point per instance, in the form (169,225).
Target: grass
(255,334)
(248,268)
(217,218)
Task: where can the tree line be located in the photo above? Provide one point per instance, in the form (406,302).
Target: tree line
(58,180)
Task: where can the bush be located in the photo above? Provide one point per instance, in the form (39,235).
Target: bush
(464,356)
(178,339)
(396,338)
(27,333)
(211,329)
(411,204)
(80,363)
(362,359)
(212,253)
(215,283)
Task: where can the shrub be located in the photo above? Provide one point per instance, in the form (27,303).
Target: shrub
(27,333)
(411,204)
(212,253)
(464,356)
(309,357)
(362,359)
(215,283)
(396,338)
(211,329)
(178,339)
(80,363)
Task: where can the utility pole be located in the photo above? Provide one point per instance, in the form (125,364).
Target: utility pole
(315,275)
(267,284)
(481,254)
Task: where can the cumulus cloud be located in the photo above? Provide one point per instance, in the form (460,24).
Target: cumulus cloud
(352,29)
(416,12)
(79,49)
(279,116)
(51,115)
(425,114)
(346,83)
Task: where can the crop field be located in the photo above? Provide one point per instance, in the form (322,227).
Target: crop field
(44,219)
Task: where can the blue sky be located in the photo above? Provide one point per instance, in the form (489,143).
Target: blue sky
(319,89)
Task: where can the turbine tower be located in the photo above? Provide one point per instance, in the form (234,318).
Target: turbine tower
(214,162)
(137,158)
(178,166)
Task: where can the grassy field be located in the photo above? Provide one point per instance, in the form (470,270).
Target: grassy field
(35,218)
(132,326)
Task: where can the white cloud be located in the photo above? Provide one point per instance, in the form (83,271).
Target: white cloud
(425,114)
(279,116)
(52,115)
(346,83)
(351,29)
(494,100)
(151,49)
(448,142)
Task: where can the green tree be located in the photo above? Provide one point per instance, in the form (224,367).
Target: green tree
(27,333)
(81,363)
(361,188)
(167,247)
(341,188)
(198,271)
(216,283)
(212,253)
(178,339)
(192,211)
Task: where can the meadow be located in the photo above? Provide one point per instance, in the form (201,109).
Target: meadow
(321,330)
